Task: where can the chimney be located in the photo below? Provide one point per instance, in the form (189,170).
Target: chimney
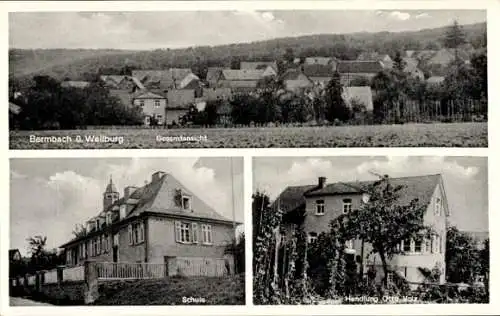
(127,192)
(157,176)
(321,182)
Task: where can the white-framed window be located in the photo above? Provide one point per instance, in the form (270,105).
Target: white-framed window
(185,233)
(418,245)
(108,218)
(186,202)
(320,207)
(428,245)
(206,232)
(136,233)
(346,206)
(141,103)
(157,103)
(437,207)
(435,243)
(194,233)
(312,237)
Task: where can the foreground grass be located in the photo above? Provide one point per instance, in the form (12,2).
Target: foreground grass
(171,291)
(407,135)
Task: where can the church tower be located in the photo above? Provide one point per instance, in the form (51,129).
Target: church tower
(111,195)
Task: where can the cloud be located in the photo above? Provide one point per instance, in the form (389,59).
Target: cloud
(307,171)
(422,16)
(402,16)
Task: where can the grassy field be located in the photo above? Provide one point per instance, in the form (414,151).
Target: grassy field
(407,135)
(172,291)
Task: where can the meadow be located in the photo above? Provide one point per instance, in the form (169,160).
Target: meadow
(406,135)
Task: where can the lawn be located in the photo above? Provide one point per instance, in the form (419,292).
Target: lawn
(407,135)
(174,291)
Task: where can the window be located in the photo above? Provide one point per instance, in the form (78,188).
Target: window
(428,244)
(130,235)
(108,218)
(320,207)
(136,233)
(185,233)
(418,245)
(186,202)
(141,103)
(437,208)
(435,244)
(157,103)
(346,206)
(194,231)
(406,245)
(312,237)
(206,231)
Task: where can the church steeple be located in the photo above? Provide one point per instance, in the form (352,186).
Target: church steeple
(111,194)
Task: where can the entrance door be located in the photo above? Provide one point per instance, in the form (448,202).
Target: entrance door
(115,253)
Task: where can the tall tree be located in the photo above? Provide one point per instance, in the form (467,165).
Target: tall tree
(289,56)
(335,105)
(384,221)
(399,63)
(462,257)
(454,37)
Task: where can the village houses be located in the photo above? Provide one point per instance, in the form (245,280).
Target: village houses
(159,222)
(314,206)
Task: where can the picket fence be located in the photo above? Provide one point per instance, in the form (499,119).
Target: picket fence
(124,271)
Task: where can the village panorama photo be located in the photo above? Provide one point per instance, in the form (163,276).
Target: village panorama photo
(370,230)
(126,231)
(248,79)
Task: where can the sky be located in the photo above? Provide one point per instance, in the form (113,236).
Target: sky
(176,29)
(49,196)
(465,178)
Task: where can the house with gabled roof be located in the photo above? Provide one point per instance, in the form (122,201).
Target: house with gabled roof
(312,208)
(213,77)
(318,73)
(162,79)
(122,82)
(270,67)
(295,80)
(241,80)
(159,222)
(153,106)
(352,69)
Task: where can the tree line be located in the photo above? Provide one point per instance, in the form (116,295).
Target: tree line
(47,105)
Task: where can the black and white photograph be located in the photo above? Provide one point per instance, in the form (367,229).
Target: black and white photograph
(248,78)
(370,230)
(126,231)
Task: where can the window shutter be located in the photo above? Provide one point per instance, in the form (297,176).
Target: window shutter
(209,234)
(177,231)
(130,235)
(194,232)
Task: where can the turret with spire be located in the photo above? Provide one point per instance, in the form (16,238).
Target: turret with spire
(111,194)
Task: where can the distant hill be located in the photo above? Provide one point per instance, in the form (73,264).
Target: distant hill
(78,64)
